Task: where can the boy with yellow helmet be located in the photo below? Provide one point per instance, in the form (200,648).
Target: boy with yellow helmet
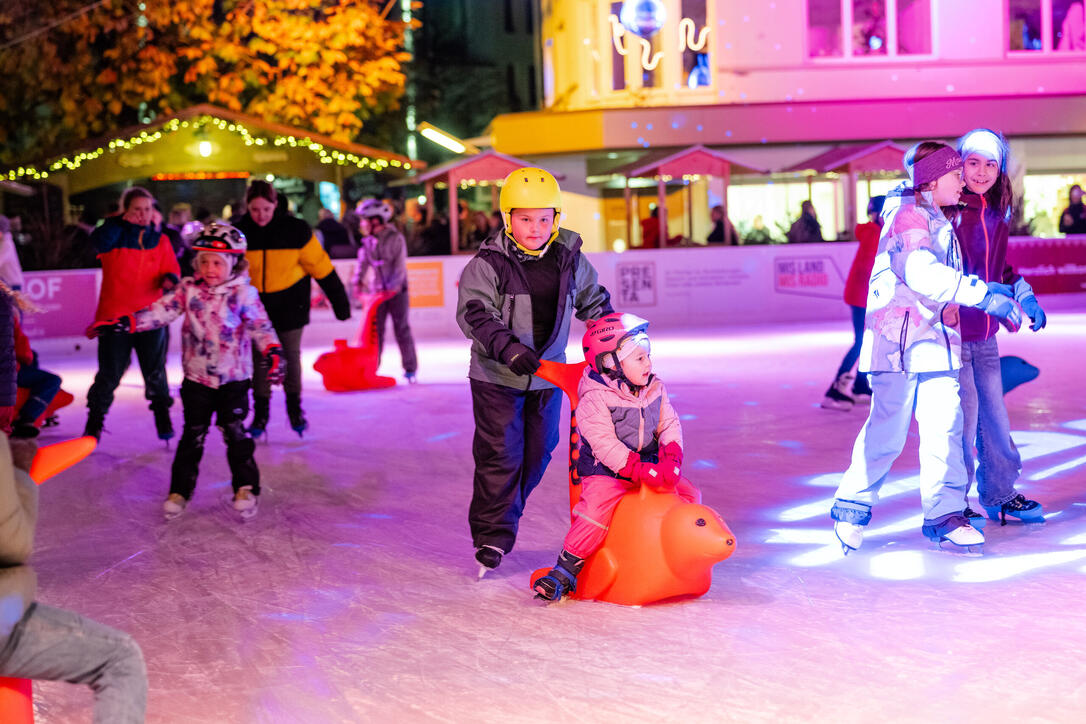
(516,298)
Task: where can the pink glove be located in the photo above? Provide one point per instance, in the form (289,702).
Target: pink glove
(671,460)
(650,474)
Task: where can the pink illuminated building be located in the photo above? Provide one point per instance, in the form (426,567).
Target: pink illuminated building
(775,83)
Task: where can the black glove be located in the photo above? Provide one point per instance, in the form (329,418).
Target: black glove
(522,360)
(122,325)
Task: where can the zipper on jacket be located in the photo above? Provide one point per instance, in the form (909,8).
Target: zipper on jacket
(987,258)
(902,337)
(946,338)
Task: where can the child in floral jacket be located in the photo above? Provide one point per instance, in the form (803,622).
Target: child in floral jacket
(222,313)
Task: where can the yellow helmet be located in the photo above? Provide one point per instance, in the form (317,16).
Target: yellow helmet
(530,188)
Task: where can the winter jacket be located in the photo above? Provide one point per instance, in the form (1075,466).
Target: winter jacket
(136,261)
(1073,219)
(385,253)
(860,271)
(983,234)
(219,323)
(494,309)
(18,516)
(9,367)
(613,421)
(915,289)
(282,256)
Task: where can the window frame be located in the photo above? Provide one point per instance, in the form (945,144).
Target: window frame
(892,56)
(1046,50)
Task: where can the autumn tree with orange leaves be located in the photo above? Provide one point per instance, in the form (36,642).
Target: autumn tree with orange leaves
(76,69)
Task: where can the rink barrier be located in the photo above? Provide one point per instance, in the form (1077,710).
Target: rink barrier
(677,288)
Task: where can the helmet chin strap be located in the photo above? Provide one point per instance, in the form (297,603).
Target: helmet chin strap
(525,250)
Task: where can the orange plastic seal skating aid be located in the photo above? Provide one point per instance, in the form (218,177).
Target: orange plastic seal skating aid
(658,546)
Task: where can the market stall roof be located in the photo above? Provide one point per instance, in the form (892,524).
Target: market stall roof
(481,168)
(697,160)
(870,157)
(207,139)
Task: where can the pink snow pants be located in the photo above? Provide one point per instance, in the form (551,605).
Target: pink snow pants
(592,514)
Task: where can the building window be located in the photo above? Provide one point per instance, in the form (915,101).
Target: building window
(868,28)
(663,45)
(1046,25)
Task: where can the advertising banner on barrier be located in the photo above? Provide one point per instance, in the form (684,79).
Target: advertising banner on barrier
(1051,266)
(66,300)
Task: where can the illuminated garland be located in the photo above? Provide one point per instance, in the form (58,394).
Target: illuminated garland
(70,163)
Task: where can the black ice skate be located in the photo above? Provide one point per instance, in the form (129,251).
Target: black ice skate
(298,423)
(837,395)
(261,410)
(489,557)
(163,423)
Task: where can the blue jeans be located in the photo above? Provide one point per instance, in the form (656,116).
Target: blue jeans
(861,385)
(58,645)
(986,423)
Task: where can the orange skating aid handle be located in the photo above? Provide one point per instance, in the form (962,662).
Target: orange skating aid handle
(16,701)
(60,456)
(567,377)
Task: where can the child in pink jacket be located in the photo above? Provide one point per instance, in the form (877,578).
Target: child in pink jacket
(630,436)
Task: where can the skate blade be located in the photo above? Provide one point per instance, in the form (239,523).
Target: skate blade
(483,570)
(172,516)
(952,549)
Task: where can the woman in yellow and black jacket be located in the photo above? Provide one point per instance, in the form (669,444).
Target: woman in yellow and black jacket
(283,254)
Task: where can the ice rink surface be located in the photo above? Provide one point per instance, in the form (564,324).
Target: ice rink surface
(352,596)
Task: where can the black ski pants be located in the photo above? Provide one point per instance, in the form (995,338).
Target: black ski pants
(515,433)
(114,356)
(229,404)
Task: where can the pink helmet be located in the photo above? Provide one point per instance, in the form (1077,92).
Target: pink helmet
(604,337)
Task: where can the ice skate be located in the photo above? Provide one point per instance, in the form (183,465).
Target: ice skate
(174,506)
(561,580)
(95,423)
(489,558)
(861,390)
(411,377)
(963,539)
(1020,507)
(837,395)
(298,423)
(245,502)
(974,518)
(261,409)
(163,423)
(850,535)
(850,518)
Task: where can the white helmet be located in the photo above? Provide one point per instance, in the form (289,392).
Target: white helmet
(376,207)
(220,237)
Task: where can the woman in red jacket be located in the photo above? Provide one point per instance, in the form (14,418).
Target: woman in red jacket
(846,390)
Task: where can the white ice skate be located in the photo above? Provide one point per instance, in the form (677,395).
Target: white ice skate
(245,502)
(964,540)
(850,535)
(174,506)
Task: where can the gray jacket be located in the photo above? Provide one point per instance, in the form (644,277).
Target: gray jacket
(18,516)
(495,310)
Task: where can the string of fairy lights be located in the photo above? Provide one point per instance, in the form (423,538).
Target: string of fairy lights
(326,155)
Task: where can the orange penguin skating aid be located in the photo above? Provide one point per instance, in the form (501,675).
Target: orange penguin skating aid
(658,545)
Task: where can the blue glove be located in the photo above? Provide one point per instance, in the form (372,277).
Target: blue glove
(998,302)
(1023,292)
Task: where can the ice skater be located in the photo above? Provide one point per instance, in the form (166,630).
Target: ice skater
(846,390)
(630,436)
(382,266)
(516,296)
(223,318)
(981,224)
(912,349)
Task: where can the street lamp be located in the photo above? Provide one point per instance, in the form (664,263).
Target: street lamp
(445,139)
